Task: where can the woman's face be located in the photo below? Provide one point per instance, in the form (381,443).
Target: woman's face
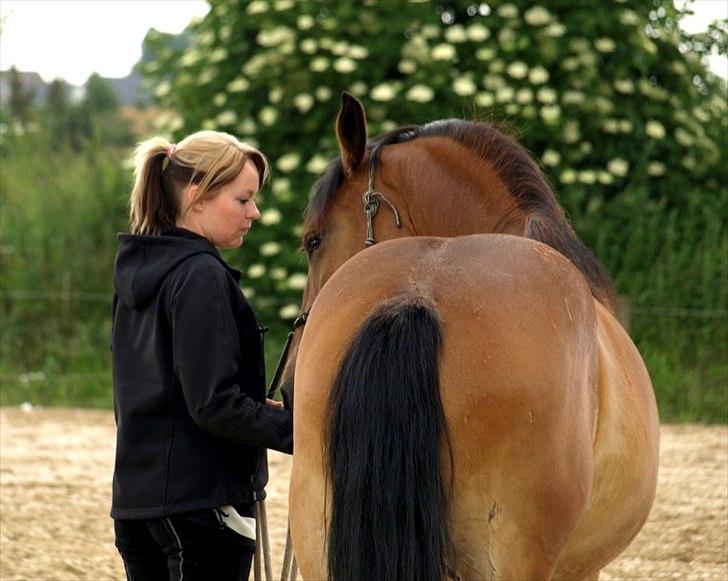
(226,218)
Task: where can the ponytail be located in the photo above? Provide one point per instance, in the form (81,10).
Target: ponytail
(162,170)
(153,204)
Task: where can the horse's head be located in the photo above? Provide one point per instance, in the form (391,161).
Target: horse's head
(336,226)
(446,178)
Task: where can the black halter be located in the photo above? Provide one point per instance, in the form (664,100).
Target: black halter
(371,199)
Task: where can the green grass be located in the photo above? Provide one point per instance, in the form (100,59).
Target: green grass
(685,393)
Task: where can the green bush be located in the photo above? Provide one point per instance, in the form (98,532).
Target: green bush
(61,210)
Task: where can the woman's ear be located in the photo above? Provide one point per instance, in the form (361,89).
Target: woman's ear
(189,196)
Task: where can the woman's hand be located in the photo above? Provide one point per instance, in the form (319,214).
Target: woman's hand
(278,405)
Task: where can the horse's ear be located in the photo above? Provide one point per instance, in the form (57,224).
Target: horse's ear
(351,132)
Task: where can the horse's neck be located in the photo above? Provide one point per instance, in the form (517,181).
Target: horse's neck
(465,196)
(470,213)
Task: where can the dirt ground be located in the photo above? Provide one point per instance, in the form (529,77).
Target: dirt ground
(56,465)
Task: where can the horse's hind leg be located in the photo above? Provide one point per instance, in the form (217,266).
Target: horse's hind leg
(483,552)
(522,457)
(511,514)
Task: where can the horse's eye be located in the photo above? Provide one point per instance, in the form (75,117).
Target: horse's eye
(312,243)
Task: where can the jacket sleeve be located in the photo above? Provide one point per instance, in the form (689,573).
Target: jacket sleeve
(206,352)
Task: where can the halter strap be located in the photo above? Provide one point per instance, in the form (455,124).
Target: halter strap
(372,198)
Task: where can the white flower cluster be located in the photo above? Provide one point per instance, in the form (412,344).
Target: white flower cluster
(655,129)
(256,270)
(226,118)
(288,162)
(277,273)
(384,92)
(420,94)
(508,11)
(238,85)
(268,116)
(305,22)
(303,102)
(270,248)
(477,32)
(247,126)
(618,167)
(443,52)
(323,93)
(456,34)
(270,217)
(316,164)
(551,157)
(218,55)
(257,7)
(605,45)
(464,86)
(344,65)
(290,311)
(275,36)
(656,168)
(537,16)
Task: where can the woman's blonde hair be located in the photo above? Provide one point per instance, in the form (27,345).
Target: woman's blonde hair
(162,170)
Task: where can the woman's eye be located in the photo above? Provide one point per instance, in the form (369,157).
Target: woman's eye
(244,201)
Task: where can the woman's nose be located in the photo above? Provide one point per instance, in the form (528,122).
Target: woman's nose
(253,213)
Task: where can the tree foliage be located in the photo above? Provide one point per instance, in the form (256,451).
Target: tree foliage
(611,101)
(20,99)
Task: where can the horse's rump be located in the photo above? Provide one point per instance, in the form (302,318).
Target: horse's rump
(517,368)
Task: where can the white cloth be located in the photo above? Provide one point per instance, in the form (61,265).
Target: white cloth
(243,525)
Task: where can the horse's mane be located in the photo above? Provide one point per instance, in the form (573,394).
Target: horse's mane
(545,219)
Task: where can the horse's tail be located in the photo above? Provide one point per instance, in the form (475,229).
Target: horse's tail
(389,517)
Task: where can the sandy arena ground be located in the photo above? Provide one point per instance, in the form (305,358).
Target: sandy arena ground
(56,465)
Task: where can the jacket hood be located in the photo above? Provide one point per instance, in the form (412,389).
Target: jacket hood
(144,261)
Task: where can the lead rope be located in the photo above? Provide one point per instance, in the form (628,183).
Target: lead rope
(290,566)
(289,572)
(262,540)
(257,555)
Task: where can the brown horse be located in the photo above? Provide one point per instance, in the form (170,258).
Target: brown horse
(465,407)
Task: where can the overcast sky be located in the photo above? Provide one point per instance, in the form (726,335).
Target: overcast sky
(73,38)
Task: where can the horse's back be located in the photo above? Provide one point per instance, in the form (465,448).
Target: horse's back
(517,369)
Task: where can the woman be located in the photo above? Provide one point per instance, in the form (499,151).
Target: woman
(192,418)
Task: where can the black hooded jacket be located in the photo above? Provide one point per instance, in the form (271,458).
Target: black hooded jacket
(189,381)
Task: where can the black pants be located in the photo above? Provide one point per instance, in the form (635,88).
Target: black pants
(192,546)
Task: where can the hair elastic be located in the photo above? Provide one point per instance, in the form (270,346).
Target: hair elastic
(171,150)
